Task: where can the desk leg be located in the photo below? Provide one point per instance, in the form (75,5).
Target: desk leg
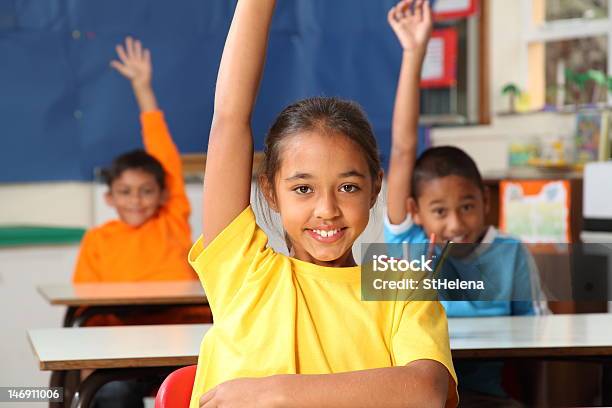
(606,384)
(57,380)
(88,388)
(68,380)
(69,316)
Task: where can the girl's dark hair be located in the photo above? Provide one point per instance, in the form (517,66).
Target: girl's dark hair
(136,159)
(328,115)
(443,161)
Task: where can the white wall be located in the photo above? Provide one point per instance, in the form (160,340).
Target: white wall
(21,270)
(508,51)
(488,145)
(67,204)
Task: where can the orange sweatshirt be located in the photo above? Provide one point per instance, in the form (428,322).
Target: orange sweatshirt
(155,251)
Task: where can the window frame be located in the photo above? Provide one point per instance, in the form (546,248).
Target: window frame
(561,30)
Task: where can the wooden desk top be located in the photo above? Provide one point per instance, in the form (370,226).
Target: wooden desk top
(117,347)
(109,294)
(575,335)
(167,345)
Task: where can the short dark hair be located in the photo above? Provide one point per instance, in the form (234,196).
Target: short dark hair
(442,161)
(136,159)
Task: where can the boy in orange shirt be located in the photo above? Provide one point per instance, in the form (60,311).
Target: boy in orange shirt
(151,239)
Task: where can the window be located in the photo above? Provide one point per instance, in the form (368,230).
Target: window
(570,50)
(569,9)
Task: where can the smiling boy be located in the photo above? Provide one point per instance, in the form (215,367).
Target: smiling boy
(151,238)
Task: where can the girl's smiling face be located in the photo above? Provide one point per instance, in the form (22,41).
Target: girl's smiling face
(323,191)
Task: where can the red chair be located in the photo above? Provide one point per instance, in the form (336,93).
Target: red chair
(175,391)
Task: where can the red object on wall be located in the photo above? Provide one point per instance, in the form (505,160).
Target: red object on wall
(449,13)
(440,68)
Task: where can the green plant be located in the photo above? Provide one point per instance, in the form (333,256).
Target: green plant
(601,84)
(577,81)
(512,90)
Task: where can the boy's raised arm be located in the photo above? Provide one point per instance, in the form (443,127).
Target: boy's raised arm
(227,179)
(134,63)
(412,23)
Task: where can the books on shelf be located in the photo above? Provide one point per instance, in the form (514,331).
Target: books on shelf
(592,137)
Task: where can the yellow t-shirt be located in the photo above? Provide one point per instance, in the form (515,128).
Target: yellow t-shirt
(279,315)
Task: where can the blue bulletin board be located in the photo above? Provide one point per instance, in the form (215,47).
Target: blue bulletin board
(64,111)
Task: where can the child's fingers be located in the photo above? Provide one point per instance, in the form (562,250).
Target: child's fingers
(120,67)
(427,15)
(129,45)
(391,16)
(398,11)
(138,49)
(418,10)
(406,8)
(147,56)
(121,53)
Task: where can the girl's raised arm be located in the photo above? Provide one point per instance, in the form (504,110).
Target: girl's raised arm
(227,179)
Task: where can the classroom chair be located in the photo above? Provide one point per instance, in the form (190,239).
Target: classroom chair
(175,391)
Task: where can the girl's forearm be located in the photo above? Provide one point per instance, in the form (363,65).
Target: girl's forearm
(422,383)
(243,60)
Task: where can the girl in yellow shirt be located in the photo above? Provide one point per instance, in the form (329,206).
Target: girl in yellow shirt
(292,331)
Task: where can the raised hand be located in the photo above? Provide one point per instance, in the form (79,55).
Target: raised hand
(134,62)
(412,22)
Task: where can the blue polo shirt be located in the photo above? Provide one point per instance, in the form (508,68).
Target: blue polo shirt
(510,272)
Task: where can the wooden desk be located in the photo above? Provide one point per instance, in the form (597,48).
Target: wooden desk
(132,348)
(115,352)
(102,298)
(551,336)
(118,346)
(140,293)
(573,338)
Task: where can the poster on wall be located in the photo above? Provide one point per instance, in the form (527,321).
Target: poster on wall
(440,65)
(536,211)
(454,9)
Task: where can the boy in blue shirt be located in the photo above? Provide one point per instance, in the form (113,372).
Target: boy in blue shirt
(442,196)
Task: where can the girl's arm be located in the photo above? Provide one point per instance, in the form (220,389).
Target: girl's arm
(412,24)
(227,179)
(422,383)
